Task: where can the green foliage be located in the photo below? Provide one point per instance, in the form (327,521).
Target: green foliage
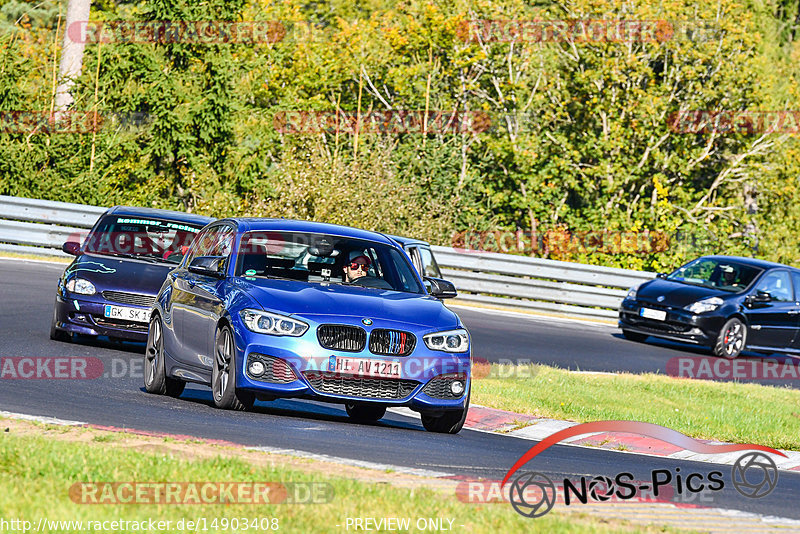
(580,138)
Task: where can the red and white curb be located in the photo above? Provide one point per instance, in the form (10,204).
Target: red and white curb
(483,419)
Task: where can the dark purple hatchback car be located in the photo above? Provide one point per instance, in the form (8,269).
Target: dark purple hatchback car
(110,286)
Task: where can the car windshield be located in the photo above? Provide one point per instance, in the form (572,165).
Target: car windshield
(150,239)
(716,273)
(325,259)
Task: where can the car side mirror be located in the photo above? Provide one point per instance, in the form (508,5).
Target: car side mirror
(72,248)
(762,296)
(441,289)
(661,275)
(208,266)
(759,298)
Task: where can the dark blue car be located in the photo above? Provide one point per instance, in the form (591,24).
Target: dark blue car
(273,308)
(109,288)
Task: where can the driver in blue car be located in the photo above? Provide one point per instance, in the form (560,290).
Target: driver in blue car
(357,268)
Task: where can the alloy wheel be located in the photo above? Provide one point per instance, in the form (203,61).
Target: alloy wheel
(153,352)
(733,339)
(222,360)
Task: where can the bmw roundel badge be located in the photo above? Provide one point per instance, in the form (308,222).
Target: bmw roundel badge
(367,322)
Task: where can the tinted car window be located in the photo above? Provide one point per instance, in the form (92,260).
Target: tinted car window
(796,283)
(214,241)
(318,258)
(778,285)
(145,237)
(429,265)
(716,273)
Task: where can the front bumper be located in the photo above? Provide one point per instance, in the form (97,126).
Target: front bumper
(679,324)
(86,317)
(300,368)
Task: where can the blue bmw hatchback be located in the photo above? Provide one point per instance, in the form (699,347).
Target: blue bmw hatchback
(273,308)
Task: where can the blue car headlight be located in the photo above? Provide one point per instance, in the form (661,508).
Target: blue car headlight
(81,286)
(273,324)
(448,341)
(632,292)
(705,305)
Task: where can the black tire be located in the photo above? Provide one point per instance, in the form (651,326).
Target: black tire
(155,377)
(731,340)
(223,375)
(365,413)
(56,334)
(449,422)
(634,336)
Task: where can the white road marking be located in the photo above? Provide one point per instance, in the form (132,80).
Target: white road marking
(51,263)
(537,317)
(351,462)
(41,419)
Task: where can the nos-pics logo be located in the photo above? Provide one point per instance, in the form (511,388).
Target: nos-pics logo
(533,494)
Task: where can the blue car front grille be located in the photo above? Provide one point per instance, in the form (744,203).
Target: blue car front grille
(342,337)
(132,299)
(391,342)
(120,323)
(365,388)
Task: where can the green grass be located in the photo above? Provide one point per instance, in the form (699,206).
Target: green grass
(726,411)
(37,471)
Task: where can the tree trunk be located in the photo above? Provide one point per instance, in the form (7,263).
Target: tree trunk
(71,53)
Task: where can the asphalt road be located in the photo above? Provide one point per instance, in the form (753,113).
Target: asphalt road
(118,399)
(519,338)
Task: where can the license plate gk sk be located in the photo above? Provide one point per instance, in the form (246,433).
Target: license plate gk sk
(126,314)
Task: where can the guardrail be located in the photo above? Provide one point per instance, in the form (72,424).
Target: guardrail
(536,283)
(40,227)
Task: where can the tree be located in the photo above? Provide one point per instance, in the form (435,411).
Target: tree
(71,53)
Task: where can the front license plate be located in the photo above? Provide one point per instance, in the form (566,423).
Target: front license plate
(126,314)
(658,315)
(366,367)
